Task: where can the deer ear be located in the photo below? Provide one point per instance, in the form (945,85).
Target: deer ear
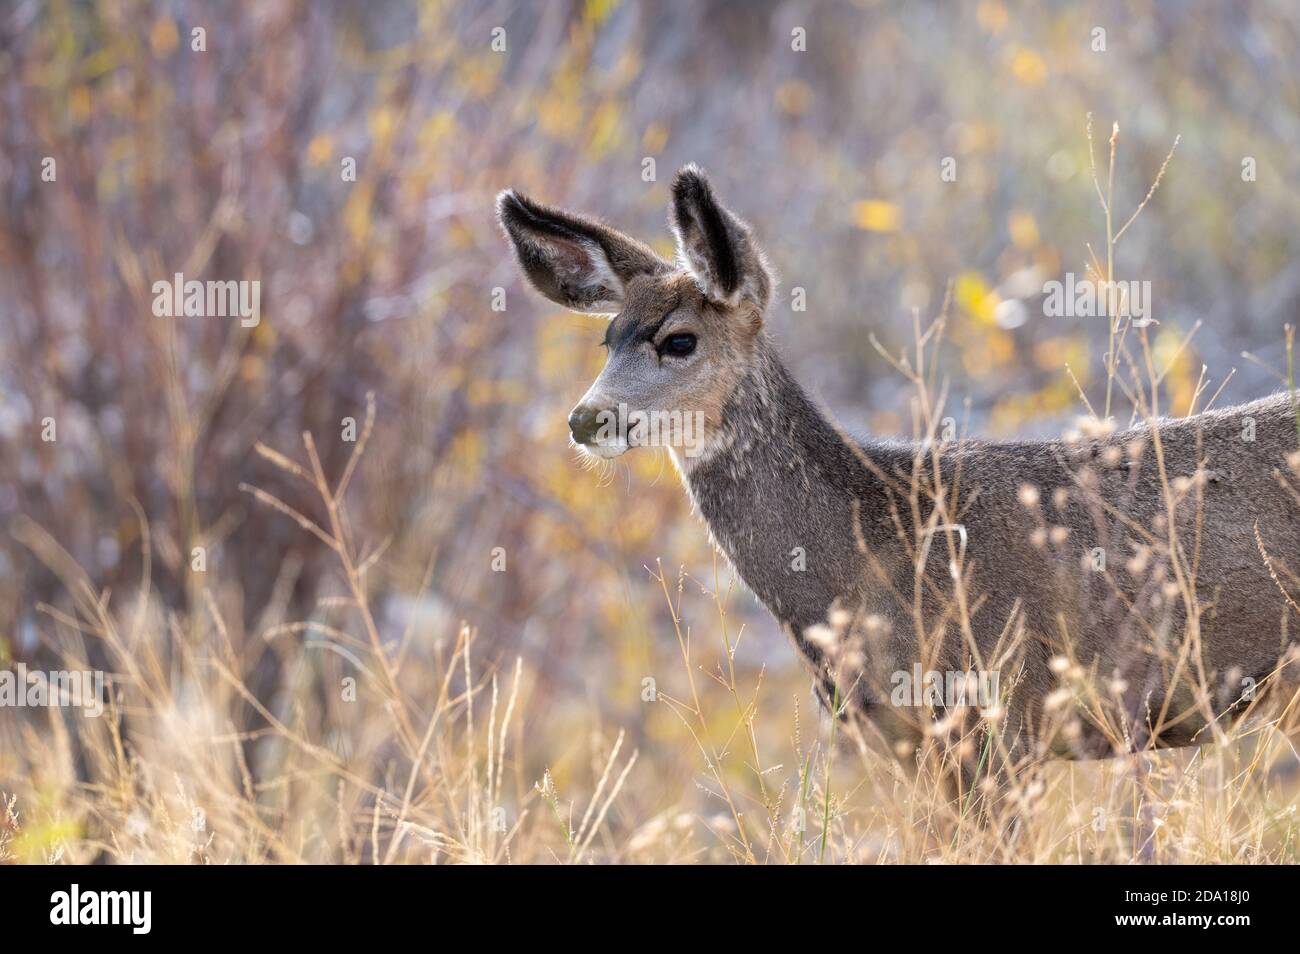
(572,260)
(715,246)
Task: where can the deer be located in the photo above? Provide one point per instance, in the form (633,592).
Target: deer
(1145,567)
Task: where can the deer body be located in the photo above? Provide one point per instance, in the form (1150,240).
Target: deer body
(784,480)
(1041,550)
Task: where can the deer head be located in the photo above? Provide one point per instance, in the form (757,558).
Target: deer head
(680,335)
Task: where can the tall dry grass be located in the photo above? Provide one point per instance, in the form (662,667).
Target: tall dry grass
(427,764)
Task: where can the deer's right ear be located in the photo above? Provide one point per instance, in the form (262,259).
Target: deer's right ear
(572,260)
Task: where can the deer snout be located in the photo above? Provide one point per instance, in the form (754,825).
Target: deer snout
(584,420)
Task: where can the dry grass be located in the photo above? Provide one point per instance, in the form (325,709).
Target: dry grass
(427,763)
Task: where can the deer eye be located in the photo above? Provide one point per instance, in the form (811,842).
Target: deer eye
(679,345)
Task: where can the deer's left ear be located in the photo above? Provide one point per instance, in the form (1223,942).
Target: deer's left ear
(574,261)
(715,246)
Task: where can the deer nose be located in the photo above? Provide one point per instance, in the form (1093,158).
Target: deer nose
(583,424)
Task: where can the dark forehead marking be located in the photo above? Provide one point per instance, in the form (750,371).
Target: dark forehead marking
(646,309)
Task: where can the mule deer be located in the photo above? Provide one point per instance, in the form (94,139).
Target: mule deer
(1146,567)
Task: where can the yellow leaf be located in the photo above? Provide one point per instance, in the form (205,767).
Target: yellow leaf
(655,138)
(603,130)
(559,115)
(1179,365)
(36,842)
(992,16)
(163,38)
(1011,412)
(976,298)
(876,215)
(320,149)
(664,247)
(79,103)
(1023,229)
(251,368)
(993,351)
(263,335)
(356,212)
(598,11)
(1028,67)
(383,123)
(479,73)
(794,97)
(99,63)
(1053,354)
(438,127)
(467,451)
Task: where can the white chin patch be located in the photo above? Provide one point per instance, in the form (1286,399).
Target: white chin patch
(603,451)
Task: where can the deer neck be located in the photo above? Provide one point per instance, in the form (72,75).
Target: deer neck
(781,490)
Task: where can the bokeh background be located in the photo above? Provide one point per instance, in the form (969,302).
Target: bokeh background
(226,164)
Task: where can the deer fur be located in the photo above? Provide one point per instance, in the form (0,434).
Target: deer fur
(883,582)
